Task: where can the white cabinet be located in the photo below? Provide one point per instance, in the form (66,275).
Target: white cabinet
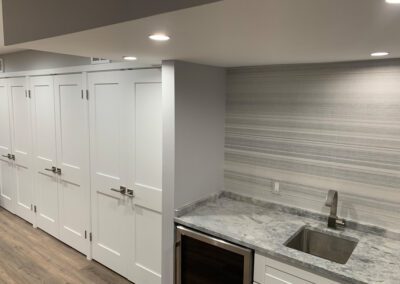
(62,158)
(7,174)
(22,147)
(269,271)
(81,158)
(125,136)
(44,126)
(17,194)
(72,140)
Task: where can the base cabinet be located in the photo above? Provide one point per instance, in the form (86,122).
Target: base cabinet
(269,271)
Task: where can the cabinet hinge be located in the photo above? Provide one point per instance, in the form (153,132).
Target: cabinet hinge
(90,237)
(29,93)
(85,235)
(87,94)
(82,94)
(34,208)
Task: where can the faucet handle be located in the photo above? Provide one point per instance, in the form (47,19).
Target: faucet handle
(340,223)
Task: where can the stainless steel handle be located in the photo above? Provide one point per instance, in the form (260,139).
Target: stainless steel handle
(53,169)
(125,191)
(129,192)
(58,171)
(121,190)
(9,156)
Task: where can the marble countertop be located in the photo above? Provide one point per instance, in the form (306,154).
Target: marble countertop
(265,228)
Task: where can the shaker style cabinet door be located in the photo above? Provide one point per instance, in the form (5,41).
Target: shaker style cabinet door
(7,173)
(72,161)
(125,136)
(22,147)
(111,138)
(45,157)
(146,177)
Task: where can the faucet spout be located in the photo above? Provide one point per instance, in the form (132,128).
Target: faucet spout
(332,201)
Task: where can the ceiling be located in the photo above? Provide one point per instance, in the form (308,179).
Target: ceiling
(4,49)
(242,33)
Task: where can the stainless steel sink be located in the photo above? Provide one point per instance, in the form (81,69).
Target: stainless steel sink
(330,247)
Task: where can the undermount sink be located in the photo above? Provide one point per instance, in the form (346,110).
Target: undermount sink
(318,243)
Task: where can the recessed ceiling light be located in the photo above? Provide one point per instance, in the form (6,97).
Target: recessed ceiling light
(379,53)
(129,58)
(159,37)
(393,1)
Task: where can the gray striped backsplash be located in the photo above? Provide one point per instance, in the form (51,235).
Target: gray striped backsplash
(317,127)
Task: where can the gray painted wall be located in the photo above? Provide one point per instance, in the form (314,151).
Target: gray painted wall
(193,141)
(314,128)
(35,60)
(27,20)
(199,131)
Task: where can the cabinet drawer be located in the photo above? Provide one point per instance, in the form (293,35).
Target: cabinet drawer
(275,276)
(269,271)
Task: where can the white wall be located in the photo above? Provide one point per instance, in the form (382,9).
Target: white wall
(193,114)
(199,131)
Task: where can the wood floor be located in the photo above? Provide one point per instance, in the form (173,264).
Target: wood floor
(29,255)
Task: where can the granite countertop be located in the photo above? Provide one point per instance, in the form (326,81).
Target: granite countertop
(266,227)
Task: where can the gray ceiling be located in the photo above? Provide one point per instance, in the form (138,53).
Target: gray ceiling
(27,20)
(245,32)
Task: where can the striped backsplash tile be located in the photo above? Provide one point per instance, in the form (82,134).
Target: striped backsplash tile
(317,127)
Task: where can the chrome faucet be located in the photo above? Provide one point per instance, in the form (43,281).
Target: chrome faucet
(332,201)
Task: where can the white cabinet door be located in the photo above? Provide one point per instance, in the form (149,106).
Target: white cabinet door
(111,133)
(73,161)
(146,177)
(22,147)
(44,126)
(7,174)
(125,126)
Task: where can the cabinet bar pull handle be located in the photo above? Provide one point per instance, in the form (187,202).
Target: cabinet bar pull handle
(53,169)
(121,190)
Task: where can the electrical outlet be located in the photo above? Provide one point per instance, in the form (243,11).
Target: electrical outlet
(276,187)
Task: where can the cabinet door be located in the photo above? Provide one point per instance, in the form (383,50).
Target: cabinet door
(72,159)
(7,174)
(146,177)
(44,125)
(111,134)
(125,125)
(22,147)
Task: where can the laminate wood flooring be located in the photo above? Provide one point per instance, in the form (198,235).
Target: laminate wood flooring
(31,256)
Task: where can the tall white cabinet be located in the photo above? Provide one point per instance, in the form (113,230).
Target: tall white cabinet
(72,140)
(61,142)
(125,135)
(17,194)
(80,158)
(7,174)
(22,147)
(45,157)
